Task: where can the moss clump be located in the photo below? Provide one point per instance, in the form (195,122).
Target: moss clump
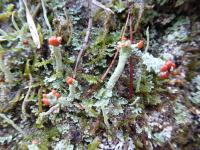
(44,137)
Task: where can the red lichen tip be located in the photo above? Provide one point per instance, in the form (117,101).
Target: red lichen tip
(57,95)
(69,80)
(55,41)
(164,68)
(45,101)
(123,38)
(53,91)
(140,44)
(164,75)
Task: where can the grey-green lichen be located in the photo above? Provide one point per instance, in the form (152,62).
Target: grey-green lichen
(58,104)
(8,75)
(57,57)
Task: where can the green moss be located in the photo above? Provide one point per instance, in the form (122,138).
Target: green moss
(43,136)
(5,16)
(10,7)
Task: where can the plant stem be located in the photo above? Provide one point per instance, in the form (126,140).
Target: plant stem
(131,61)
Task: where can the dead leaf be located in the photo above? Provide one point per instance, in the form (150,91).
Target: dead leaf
(32,26)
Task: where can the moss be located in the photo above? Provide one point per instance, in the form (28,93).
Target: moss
(13,103)
(5,16)
(192,67)
(44,137)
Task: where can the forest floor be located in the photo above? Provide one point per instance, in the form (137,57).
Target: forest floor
(83,112)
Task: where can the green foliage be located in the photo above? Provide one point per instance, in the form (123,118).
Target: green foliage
(91,79)
(43,63)
(103,46)
(148,87)
(94,144)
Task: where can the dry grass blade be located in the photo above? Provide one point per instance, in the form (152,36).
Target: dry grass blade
(32,26)
(45,16)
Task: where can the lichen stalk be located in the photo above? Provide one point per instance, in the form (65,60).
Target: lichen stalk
(71,96)
(62,102)
(58,60)
(123,57)
(8,75)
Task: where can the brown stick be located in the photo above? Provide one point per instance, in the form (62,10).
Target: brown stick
(131,62)
(85,43)
(111,64)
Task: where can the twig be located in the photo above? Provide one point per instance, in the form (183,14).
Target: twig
(124,29)
(102,6)
(45,16)
(9,121)
(111,64)
(25,102)
(147,34)
(140,70)
(85,43)
(131,61)
(50,111)
(139,5)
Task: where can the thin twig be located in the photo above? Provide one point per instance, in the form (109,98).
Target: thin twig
(45,16)
(9,121)
(26,100)
(43,115)
(85,43)
(111,64)
(147,34)
(51,110)
(139,5)
(140,70)
(131,70)
(102,6)
(124,29)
